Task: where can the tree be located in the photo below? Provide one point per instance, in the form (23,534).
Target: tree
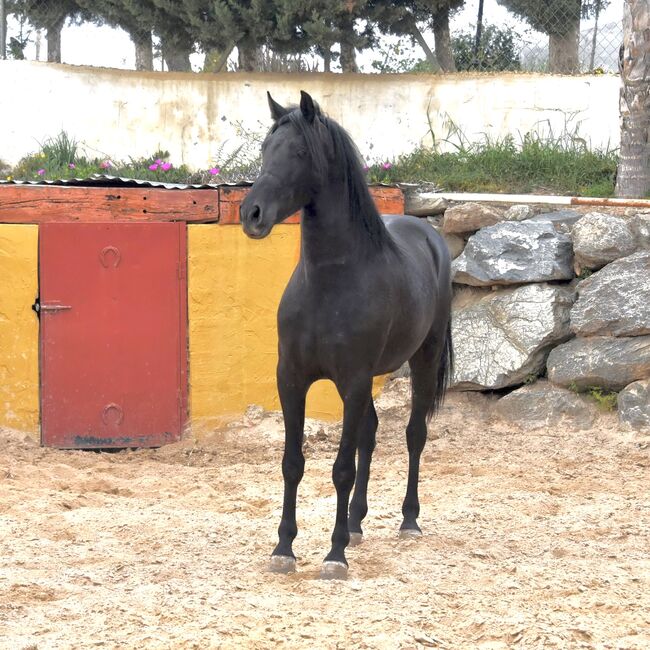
(633,177)
(495,50)
(560,19)
(403,19)
(50,16)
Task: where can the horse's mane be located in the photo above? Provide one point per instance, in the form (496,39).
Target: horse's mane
(347,159)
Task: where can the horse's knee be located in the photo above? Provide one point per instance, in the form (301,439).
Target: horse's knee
(343,474)
(293,468)
(416,437)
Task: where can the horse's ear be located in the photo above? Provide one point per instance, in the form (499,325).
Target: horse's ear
(277,111)
(307,107)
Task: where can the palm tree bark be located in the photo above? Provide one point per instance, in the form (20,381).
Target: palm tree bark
(633,178)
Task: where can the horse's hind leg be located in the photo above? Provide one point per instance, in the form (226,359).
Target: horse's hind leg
(424,378)
(359,502)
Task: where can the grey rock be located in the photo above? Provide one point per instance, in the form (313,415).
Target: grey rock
(469,217)
(541,405)
(518,213)
(424,204)
(601,238)
(513,253)
(640,227)
(603,361)
(562,220)
(615,300)
(634,405)
(502,337)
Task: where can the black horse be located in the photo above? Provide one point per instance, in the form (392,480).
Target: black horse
(368,293)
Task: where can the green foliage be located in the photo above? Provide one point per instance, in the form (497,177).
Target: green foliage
(533,165)
(497,50)
(605,399)
(585,273)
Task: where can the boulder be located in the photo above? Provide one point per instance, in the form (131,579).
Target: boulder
(634,405)
(640,227)
(542,405)
(518,213)
(455,243)
(515,252)
(502,337)
(615,300)
(469,217)
(424,204)
(562,220)
(601,238)
(604,361)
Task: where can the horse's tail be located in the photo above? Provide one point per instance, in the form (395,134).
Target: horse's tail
(444,371)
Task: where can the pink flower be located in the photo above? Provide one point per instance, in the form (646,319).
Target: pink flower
(158,161)
(387,165)
(366,168)
(214,171)
(166,166)
(153,167)
(40,172)
(106,164)
(72,166)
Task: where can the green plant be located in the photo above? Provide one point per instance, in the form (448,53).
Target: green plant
(605,399)
(497,50)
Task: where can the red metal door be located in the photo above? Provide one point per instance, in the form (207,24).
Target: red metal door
(113,334)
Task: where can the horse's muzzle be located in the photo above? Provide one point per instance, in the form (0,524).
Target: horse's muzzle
(254,225)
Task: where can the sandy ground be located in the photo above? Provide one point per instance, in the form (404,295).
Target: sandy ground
(532,540)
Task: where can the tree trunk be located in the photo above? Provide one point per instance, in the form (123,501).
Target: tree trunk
(177,58)
(3,30)
(54,41)
(348,58)
(143,50)
(633,178)
(327,60)
(420,40)
(442,36)
(215,60)
(594,38)
(563,50)
(249,57)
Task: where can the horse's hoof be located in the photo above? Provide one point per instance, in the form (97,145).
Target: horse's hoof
(355,539)
(334,571)
(282,564)
(410,533)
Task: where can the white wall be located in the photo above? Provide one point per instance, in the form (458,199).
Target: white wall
(197,117)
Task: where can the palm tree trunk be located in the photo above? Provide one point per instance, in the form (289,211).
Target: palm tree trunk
(633,178)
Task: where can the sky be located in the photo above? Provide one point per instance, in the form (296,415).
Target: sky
(90,45)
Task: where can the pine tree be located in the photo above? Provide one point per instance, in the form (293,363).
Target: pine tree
(50,16)
(560,19)
(403,19)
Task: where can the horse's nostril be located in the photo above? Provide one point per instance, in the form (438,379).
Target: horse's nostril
(255,214)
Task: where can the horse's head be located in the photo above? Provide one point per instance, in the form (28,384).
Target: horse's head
(292,167)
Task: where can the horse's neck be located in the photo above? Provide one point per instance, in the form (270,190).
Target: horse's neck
(330,233)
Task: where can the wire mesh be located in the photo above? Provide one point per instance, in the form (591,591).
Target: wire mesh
(556,36)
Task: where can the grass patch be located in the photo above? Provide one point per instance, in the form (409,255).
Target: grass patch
(536,165)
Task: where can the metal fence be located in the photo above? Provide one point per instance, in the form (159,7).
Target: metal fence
(487,35)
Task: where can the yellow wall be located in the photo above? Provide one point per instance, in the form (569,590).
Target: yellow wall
(19,408)
(235,285)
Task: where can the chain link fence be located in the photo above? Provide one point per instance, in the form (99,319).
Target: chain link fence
(556,36)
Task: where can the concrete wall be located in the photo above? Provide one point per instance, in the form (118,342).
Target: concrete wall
(199,118)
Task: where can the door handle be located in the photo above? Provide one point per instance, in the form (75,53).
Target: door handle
(54,308)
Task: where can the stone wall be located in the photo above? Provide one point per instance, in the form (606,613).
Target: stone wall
(551,309)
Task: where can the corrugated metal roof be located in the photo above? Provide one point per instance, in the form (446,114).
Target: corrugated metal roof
(106,180)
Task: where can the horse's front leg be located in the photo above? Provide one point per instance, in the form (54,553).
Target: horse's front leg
(292,389)
(357,396)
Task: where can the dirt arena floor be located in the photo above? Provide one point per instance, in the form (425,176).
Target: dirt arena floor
(532,540)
